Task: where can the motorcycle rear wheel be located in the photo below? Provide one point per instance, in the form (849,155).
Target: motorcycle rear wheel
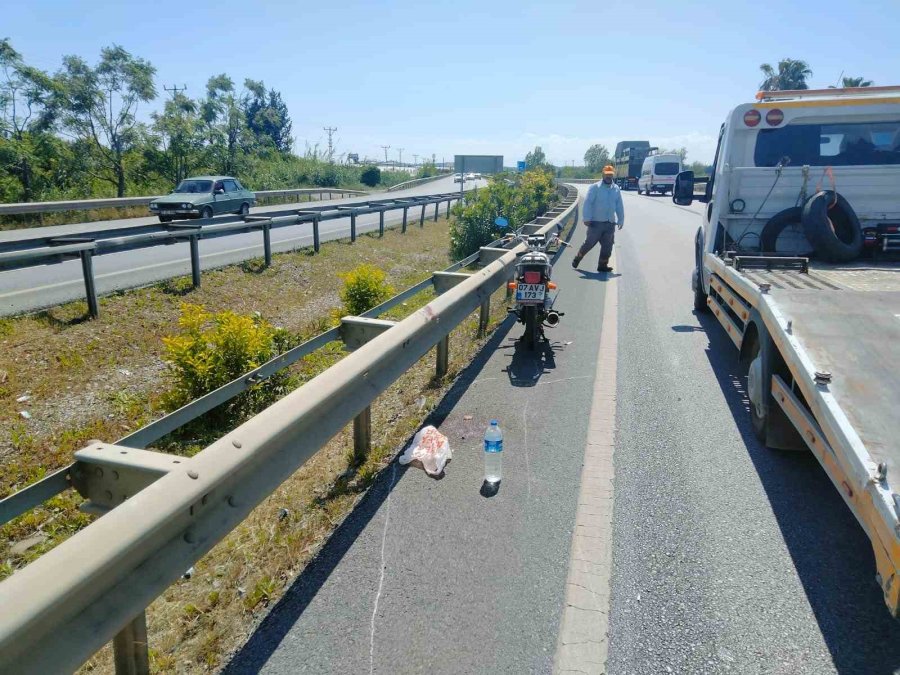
(532,327)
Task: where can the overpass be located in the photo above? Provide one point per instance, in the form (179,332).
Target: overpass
(639,527)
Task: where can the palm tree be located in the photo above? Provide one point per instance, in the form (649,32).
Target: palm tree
(791,74)
(856,82)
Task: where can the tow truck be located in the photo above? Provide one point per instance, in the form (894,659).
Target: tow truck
(797,260)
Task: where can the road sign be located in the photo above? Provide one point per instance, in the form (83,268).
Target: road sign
(478,163)
(520,166)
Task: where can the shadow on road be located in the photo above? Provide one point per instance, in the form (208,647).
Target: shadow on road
(266,638)
(527,366)
(599,276)
(688,329)
(831,553)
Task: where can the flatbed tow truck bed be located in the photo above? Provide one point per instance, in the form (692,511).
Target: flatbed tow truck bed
(837,330)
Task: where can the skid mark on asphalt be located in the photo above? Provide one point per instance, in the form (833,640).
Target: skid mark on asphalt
(387,520)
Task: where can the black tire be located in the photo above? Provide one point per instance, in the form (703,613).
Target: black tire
(165,219)
(757,419)
(206,212)
(700,297)
(244,210)
(532,327)
(832,227)
(768,238)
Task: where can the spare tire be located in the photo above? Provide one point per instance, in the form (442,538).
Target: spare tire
(768,238)
(830,223)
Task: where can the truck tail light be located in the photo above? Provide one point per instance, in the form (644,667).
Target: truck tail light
(752,117)
(774,117)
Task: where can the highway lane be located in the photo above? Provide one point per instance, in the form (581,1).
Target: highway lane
(48,285)
(728,557)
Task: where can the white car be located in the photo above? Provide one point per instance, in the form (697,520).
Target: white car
(470,176)
(457,178)
(478,176)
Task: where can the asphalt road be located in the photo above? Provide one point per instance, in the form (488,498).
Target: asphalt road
(38,287)
(727,557)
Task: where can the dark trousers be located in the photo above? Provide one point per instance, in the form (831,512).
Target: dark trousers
(603,232)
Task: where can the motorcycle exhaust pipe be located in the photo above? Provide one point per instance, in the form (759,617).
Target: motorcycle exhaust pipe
(553,318)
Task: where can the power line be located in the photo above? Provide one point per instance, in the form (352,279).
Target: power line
(174,89)
(330,131)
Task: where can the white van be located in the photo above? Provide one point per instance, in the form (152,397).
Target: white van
(658,173)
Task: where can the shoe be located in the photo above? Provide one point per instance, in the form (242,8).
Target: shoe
(604,268)
(575,261)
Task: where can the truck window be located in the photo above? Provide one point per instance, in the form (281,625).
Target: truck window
(666,168)
(843,144)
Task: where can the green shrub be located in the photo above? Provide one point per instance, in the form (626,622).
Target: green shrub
(472,226)
(370,176)
(364,288)
(214,349)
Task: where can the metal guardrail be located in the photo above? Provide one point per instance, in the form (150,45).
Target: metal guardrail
(86,245)
(124,202)
(164,512)
(417,181)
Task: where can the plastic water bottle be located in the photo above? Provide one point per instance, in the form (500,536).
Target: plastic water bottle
(493,452)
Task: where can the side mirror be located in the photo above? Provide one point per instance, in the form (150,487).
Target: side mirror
(501,222)
(683,192)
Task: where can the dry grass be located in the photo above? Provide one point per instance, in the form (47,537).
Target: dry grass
(103,378)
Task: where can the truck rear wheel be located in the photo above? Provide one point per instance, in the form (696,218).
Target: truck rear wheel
(756,388)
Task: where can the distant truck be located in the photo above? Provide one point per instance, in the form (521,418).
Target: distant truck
(628,160)
(797,259)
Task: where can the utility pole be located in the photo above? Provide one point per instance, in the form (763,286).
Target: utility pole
(415,160)
(174,89)
(330,131)
(400,152)
(385,148)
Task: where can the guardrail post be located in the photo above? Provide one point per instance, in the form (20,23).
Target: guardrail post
(381,223)
(484,316)
(316,242)
(448,207)
(362,435)
(130,648)
(437,205)
(353,226)
(195,261)
(90,290)
(422,217)
(267,242)
(443,357)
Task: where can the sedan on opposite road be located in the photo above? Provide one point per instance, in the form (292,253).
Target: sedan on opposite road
(204,197)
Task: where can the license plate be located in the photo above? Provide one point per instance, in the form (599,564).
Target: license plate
(168,212)
(530,293)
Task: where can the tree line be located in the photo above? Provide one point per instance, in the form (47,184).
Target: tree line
(77,133)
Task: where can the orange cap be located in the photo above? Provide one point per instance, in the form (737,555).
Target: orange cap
(608,169)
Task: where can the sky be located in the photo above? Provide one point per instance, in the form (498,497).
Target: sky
(484,77)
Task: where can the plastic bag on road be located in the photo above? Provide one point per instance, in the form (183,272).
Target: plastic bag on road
(430,448)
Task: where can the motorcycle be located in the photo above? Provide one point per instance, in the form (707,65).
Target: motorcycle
(532,284)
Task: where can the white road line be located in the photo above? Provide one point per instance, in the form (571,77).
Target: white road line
(387,520)
(583,633)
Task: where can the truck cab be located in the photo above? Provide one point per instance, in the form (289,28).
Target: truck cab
(798,259)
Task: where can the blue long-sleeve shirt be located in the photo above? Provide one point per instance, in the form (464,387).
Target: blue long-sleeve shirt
(603,203)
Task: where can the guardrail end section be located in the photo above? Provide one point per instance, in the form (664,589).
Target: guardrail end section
(106,474)
(358,330)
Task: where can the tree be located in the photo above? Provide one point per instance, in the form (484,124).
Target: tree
(791,74)
(267,116)
(26,117)
(179,129)
(596,157)
(536,158)
(225,121)
(856,82)
(100,106)
(370,176)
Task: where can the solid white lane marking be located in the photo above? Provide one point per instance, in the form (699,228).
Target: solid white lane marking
(387,520)
(583,641)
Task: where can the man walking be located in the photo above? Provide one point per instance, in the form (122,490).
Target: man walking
(603,213)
